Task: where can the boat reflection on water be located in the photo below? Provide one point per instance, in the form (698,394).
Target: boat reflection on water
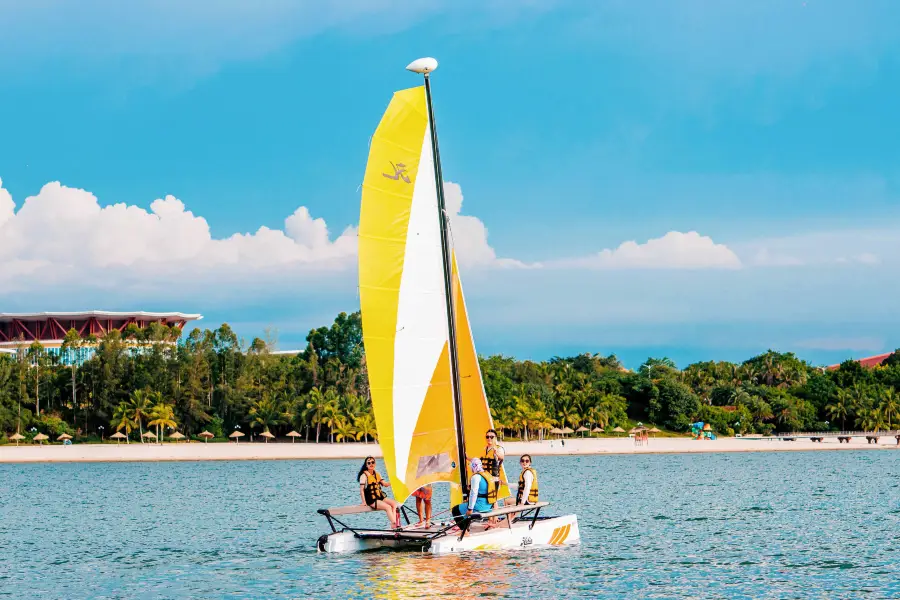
(395,575)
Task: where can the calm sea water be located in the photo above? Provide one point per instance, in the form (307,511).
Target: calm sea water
(773,525)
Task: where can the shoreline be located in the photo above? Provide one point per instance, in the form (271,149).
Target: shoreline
(198,451)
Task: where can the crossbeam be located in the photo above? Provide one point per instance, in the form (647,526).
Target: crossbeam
(507,510)
(347,510)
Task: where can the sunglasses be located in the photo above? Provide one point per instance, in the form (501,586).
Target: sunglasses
(525,461)
(371,462)
(489,437)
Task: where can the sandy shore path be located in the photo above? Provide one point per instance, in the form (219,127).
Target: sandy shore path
(288,451)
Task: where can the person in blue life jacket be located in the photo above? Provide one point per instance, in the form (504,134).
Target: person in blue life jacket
(482,493)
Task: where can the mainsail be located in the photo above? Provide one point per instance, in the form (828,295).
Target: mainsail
(404,308)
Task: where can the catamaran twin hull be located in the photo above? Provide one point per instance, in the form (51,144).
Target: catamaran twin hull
(525,533)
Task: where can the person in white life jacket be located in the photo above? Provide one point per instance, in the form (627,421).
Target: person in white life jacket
(372,494)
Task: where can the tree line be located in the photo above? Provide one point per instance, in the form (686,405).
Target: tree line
(159,380)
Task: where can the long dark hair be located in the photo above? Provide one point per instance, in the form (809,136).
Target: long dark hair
(363,469)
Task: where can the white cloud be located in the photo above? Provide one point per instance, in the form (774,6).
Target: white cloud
(64,234)
(470,234)
(823,248)
(64,238)
(674,250)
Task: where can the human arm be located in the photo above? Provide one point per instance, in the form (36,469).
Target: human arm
(473,493)
(362,489)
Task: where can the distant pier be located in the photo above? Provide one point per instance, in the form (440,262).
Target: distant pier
(843,437)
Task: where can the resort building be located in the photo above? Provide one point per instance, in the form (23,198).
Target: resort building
(869,361)
(19,330)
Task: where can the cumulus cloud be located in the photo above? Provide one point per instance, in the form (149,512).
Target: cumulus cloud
(64,236)
(674,250)
(64,233)
(470,234)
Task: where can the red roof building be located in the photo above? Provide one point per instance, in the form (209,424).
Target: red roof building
(868,362)
(21,329)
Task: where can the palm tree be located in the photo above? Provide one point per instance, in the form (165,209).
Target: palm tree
(266,413)
(331,414)
(121,420)
(344,430)
(315,408)
(889,405)
(840,408)
(365,427)
(163,416)
(139,409)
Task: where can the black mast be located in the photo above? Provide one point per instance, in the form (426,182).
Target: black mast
(448,290)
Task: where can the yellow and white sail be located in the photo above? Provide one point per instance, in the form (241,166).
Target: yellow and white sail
(404,308)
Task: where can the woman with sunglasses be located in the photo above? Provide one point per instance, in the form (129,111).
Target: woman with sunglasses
(370,484)
(492,461)
(528,483)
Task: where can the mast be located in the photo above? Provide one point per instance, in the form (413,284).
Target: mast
(426,66)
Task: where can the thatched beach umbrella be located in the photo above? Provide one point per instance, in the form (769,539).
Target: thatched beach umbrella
(16,437)
(236,435)
(634,430)
(177,436)
(654,430)
(39,438)
(64,437)
(568,430)
(206,435)
(597,430)
(293,434)
(556,431)
(618,429)
(581,430)
(267,435)
(118,436)
(149,434)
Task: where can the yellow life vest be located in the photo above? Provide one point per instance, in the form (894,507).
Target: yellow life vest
(533,492)
(492,488)
(491,463)
(373,489)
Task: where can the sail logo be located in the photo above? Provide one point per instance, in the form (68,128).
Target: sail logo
(399,172)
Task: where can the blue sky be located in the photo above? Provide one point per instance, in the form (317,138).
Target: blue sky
(571,128)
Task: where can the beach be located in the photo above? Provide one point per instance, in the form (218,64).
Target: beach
(198,451)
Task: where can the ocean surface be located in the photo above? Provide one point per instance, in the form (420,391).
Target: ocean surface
(754,525)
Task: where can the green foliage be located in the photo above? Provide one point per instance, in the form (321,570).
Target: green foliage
(211,379)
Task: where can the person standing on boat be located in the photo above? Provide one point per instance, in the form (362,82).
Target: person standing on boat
(528,482)
(482,493)
(423,505)
(370,484)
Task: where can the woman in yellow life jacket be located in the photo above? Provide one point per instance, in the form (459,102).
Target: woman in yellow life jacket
(528,482)
(370,484)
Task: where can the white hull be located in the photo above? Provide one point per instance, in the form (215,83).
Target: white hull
(546,533)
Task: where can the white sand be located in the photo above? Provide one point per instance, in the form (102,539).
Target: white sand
(288,451)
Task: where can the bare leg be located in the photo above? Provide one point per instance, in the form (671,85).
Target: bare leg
(420,511)
(428,512)
(390,510)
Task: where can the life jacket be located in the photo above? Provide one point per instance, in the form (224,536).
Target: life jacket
(373,489)
(533,492)
(491,495)
(491,463)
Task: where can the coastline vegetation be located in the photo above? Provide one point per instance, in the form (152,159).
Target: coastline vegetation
(154,379)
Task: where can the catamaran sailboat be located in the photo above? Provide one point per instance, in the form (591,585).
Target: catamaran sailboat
(427,391)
